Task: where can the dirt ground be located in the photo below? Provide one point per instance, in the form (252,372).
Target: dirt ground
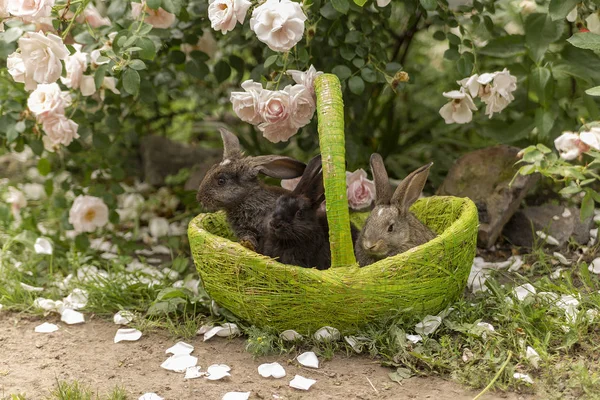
(30,363)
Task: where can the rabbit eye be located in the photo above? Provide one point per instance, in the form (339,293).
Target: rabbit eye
(391,228)
(299,214)
(221,181)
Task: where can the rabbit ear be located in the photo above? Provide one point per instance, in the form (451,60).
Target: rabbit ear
(277,166)
(313,168)
(383,193)
(410,188)
(231,145)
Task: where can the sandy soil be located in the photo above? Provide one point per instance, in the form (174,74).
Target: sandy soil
(30,363)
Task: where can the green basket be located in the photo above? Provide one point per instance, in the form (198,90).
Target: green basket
(268,294)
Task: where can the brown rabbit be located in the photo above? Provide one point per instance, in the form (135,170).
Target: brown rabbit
(233,186)
(391,228)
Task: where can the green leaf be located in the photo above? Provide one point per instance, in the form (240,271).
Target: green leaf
(587,206)
(177,57)
(560,8)
(439,35)
(544,121)
(360,2)
(137,65)
(222,71)
(464,66)
(540,32)
(353,37)
(271,60)
(49,187)
(172,6)
(342,72)
(148,51)
(101,141)
(429,5)
(585,40)
(541,86)
(356,85)
(341,6)
(451,54)
(328,12)
(197,69)
(153,4)
(131,81)
(12,34)
(595,91)
(99,75)
(453,39)
(505,46)
(368,75)
(43,166)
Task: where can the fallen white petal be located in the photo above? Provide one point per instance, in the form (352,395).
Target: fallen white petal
(123,317)
(523,377)
(356,342)
(43,246)
(523,291)
(467,355)
(290,335)
(77,299)
(46,304)
(72,317)
(594,267)
(556,274)
(566,213)
(299,382)
(327,333)
(414,338)
(429,325)
(589,314)
(516,262)
(150,396)
(46,328)
(160,249)
(308,359)
(236,396)
(547,238)
(532,356)
(487,326)
(30,288)
(193,372)
(218,371)
(566,300)
(274,370)
(562,259)
(179,362)
(225,330)
(180,348)
(128,334)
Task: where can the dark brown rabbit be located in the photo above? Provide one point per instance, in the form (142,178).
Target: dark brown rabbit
(391,228)
(296,230)
(233,186)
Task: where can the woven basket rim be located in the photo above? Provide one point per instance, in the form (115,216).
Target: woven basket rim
(468,208)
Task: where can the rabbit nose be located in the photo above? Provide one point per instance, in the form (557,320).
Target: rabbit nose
(275,223)
(368,245)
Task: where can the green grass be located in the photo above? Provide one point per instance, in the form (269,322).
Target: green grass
(78,391)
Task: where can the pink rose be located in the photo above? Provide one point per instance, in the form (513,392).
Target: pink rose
(225,14)
(88,213)
(16,67)
(75,65)
(302,105)
(41,56)
(30,10)
(157,18)
(306,78)
(246,104)
(59,130)
(360,190)
(93,17)
(275,109)
(47,100)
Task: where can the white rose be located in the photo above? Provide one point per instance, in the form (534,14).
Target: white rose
(88,213)
(41,55)
(276,112)
(593,23)
(591,138)
(93,17)
(528,7)
(302,105)
(383,3)
(498,94)
(109,83)
(75,65)
(34,191)
(30,10)
(16,67)
(225,14)
(59,130)
(131,204)
(87,86)
(360,190)
(278,23)
(460,109)
(95,54)
(471,84)
(159,227)
(48,99)
(160,18)
(246,104)
(306,78)
(16,198)
(570,146)
(3,10)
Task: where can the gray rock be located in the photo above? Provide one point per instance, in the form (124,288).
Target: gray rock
(484,177)
(550,219)
(162,157)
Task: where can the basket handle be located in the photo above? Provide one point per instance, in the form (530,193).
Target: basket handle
(330,111)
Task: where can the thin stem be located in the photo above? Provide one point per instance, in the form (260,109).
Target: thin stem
(489,386)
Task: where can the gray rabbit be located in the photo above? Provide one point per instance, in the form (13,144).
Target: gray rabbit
(233,186)
(391,228)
